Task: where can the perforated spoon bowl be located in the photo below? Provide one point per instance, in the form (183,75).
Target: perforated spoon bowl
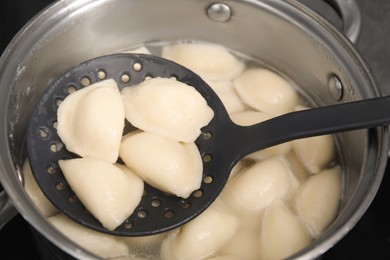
(222,143)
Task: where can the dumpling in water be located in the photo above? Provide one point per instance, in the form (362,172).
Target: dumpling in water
(101,244)
(266,91)
(91,121)
(211,62)
(228,96)
(255,188)
(225,257)
(282,234)
(315,152)
(203,236)
(141,49)
(110,193)
(163,163)
(317,200)
(167,107)
(244,243)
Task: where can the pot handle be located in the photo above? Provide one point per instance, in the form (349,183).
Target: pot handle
(351,16)
(7,210)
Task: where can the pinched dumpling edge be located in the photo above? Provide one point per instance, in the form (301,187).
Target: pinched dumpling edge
(167,107)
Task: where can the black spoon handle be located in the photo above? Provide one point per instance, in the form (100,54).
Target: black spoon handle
(355,115)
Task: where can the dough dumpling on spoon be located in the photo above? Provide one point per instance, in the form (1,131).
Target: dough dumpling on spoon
(167,107)
(91,121)
(165,164)
(109,192)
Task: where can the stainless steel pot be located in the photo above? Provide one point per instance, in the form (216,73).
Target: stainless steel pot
(284,34)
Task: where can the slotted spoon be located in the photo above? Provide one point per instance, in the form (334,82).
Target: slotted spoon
(221,144)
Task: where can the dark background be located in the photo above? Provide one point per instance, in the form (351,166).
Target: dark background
(370,239)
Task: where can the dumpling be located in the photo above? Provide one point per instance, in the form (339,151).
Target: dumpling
(266,91)
(317,200)
(144,243)
(232,102)
(163,163)
(240,166)
(247,118)
(294,182)
(103,245)
(297,168)
(255,188)
(140,49)
(167,107)
(244,243)
(108,192)
(146,246)
(41,202)
(220,87)
(314,152)
(282,234)
(167,246)
(228,96)
(202,236)
(91,121)
(225,257)
(211,62)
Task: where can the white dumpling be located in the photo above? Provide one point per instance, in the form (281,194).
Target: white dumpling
(140,49)
(297,168)
(132,257)
(91,121)
(232,102)
(255,188)
(244,244)
(211,62)
(294,182)
(314,152)
(203,236)
(170,166)
(109,193)
(240,166)
(146,246)
(167,246)
(43,205)
(144,243)
(266,91)
(220,87)
(103,245)
(228,96)
(248,118)
(225,257)
(282,234)
(167,107)
(317,200)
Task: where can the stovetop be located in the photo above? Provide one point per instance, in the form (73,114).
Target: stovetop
(369,239)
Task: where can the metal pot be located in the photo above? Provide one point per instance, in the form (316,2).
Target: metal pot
(283,34)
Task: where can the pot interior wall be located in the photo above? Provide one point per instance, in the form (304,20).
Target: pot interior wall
(273,33)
